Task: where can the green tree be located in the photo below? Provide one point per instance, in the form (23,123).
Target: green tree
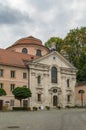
(75,43)
(81,74)
(2,92)
(21,93)
(75,48)
(58,43)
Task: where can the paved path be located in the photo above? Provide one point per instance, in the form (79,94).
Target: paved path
(73,119)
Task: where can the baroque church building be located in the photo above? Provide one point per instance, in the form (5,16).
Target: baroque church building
(50,77)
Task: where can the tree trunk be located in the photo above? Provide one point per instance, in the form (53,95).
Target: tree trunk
(20,103)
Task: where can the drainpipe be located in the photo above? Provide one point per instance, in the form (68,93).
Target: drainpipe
(28,79)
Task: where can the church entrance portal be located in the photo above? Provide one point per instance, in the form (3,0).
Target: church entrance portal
(55,100)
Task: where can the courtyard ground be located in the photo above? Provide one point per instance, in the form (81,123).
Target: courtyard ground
(69,119)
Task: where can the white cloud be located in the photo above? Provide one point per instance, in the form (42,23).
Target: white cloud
(40,18)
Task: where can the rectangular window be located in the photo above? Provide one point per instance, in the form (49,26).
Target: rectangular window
(39,97)
(39,79)
(12,74)
(1,72)
(1,85)
(12,102)
(24,75)
(68,83)
(68,98)
(38,52)
(54,75)
(12,87)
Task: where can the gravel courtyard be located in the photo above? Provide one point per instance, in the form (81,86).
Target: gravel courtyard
(69,119)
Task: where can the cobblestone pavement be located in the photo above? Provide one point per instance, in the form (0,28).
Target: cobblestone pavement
(69,119)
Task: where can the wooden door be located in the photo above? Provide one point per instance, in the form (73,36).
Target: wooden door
(1,104)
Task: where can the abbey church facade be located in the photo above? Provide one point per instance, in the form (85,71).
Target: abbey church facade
(50,77)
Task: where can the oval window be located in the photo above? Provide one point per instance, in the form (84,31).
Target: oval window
(24,50)
(55,90)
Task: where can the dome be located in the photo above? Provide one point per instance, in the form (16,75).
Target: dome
(29,45)
(28,40)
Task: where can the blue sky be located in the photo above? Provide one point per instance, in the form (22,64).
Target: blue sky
(39,18)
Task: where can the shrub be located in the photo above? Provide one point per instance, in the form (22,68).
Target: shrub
(22,108)
(28,108)
(80,106)
(47,107)
(35,108)
(58,107)
(67,106)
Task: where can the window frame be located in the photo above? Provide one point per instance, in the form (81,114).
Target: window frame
(12,102)
(24,75)
(12,87)
(68,83)
(68,98)
(1,72)
(39,97)
(12,73)
(38,52)
(25,51)
(39,79)
(1,85)
(54,75)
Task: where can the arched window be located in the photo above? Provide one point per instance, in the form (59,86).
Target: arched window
(68,83)
(38,52)
(68,98)
(54,75)
(24,50)
(39,97)
(39,79)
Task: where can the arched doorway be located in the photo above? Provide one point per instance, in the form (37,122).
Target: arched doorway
(55,100)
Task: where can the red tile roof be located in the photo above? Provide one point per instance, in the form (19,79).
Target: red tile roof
(27,41)
(14,58)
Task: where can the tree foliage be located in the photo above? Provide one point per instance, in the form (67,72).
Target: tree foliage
(2,92)
(21,93)
(58,43)
(73,46)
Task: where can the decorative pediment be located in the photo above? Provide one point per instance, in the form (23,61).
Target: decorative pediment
(54,58)
(69,92)
(39,92)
